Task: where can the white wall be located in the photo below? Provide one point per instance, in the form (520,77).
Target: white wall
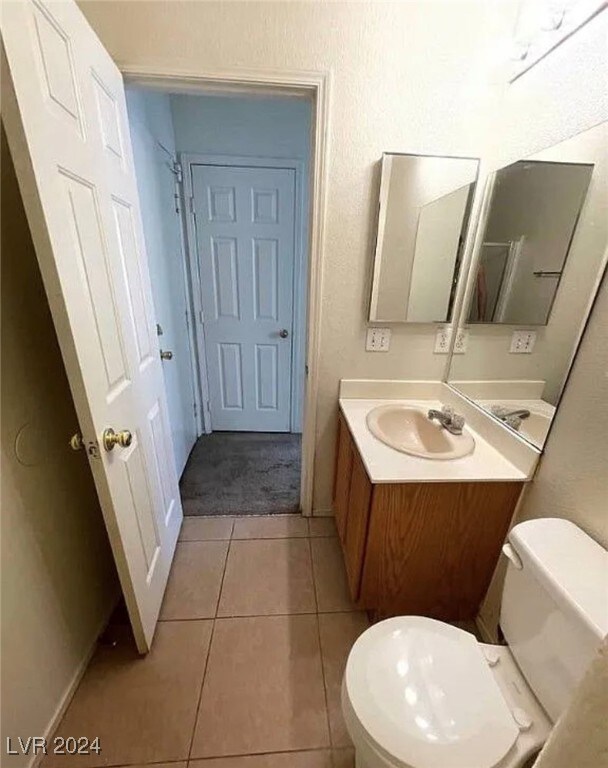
(573,478)
(58,578)
(561,96)
(151,125)
(406,77)
(237,125)
(256,127)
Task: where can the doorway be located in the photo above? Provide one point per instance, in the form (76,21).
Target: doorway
(68,128)
(223,184)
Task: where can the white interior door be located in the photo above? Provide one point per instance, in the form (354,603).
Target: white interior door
(65,116)
(246,249)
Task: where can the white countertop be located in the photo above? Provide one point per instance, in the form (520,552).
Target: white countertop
(386,465)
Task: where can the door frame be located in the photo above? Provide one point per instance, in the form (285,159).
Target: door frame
(188,160)
(303,83)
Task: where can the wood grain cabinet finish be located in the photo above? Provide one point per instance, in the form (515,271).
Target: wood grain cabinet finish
(418,548)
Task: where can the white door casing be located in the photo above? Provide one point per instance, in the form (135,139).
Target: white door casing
(65,116)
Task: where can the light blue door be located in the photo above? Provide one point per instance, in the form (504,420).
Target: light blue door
(245,238)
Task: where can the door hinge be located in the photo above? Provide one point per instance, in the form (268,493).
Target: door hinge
(179,172)
(93,449)
(195,410)
(201,319)
(192,207)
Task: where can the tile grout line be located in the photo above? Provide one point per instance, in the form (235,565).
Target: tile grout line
(262,615)
(321,659)
(250,754)
(252,538)
(188,761)
(200,695)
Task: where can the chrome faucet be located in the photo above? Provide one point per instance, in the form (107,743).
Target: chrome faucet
(520,413)
(449,420)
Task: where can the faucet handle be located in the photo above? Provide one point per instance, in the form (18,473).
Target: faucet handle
(458,421)
(447,410)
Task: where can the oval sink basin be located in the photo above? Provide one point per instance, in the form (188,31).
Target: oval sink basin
(409,430)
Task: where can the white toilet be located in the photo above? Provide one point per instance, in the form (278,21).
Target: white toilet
(419,693)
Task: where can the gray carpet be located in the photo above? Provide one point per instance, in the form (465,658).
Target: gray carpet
(243,473)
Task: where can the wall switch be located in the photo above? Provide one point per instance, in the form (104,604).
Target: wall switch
(462,340)
(378,339)
(442,340)
(522,342)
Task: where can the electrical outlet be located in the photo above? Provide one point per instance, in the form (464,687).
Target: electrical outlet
(462,340)
(442,340)
(522,342)
(378,339)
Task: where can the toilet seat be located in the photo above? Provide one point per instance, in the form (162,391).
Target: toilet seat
(423,693)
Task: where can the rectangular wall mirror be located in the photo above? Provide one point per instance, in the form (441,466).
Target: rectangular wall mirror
(423,215)
(540,254)
(533,211)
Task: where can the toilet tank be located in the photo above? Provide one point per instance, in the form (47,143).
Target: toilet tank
(554,610)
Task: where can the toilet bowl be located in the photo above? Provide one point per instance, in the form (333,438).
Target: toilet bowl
(420,693)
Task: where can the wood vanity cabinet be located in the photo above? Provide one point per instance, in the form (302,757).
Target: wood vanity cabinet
(418,548)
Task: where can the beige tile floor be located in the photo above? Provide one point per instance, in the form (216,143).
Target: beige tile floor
(247,661)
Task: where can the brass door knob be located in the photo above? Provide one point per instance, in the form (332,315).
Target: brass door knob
(110,438)
(166,354)
(284,333)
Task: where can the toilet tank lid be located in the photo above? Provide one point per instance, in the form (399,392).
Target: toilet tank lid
(570,564)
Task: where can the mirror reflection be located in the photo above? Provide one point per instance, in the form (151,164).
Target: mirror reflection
(423,215)
(547,215)
(533,212)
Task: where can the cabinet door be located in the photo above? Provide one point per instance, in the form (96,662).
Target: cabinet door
(356,530)
(344,462)
(432,547)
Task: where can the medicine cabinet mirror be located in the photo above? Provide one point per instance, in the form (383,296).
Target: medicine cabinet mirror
(423,215)
(539,258)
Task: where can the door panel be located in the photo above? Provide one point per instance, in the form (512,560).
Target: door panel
(230,366)
(246,246)
(65,117)
(225,279)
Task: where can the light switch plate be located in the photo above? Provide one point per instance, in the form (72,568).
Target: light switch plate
(442,340)
(522,342)
(378,339)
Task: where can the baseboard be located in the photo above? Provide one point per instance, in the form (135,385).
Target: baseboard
(322,513)
(70,690)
